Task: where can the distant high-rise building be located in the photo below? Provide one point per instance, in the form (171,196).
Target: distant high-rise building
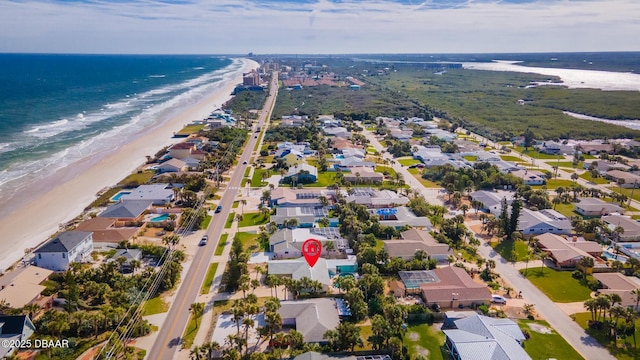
(251,78)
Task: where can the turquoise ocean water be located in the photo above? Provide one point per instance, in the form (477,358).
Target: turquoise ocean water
(57,109)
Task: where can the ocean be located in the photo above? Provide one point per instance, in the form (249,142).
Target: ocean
(59,109)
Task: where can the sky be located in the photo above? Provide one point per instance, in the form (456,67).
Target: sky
(318,26)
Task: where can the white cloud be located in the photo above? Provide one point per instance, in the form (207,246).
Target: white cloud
(234,26)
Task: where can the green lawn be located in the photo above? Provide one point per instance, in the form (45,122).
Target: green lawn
(324,179)
(253,218)
(505,248)
(417,173)
(154,306)
(386,170)
(536,155)
(191,331)
(190,129)
(246,171)
(256,180)
(365,332)
(424,339)
(566,164)
(221,244)
(206,222)
(546,346)
(408,161)
(559,286)
(229,222)
(249,241)
(235,204)
(554,183)
(510,158)
(470,158)
(629,192)
(567,210)
(140,178)
(599,180)
(624,349)
(208,280)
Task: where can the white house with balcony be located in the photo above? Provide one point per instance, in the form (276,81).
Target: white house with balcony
(70,246)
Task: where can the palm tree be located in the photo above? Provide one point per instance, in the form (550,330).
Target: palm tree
(616,313)
(237,312)
(31,309)
(209,349)
(238,218)
(636,297)
(171,240)
(273,282)
(196,310)
(265,212)
(464,208)
(592,307)
(243,202)
(543,257)
(630,317)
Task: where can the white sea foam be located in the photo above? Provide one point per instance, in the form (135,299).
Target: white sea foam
(23,174)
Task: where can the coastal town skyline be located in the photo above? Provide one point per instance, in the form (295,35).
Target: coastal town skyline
(316,27)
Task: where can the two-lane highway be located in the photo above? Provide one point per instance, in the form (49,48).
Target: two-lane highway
(170,333)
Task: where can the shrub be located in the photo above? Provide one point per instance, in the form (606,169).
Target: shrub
(577,275)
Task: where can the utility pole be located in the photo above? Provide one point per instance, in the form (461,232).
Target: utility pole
(635,183)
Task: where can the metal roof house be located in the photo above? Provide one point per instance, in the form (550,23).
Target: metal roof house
(70,246)
(298,268)
(311,317)
(596,207)
(127,210)
(482,337)
(158,194)
(543,221)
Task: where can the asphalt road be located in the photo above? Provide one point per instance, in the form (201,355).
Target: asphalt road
(587,346)
(170,333)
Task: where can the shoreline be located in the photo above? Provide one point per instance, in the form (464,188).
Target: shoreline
(35,221)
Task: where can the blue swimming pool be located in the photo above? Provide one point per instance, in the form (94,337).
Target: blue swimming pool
(608,255)
(117,196)
(160,218)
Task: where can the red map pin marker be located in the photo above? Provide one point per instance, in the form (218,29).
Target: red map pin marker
(311,250)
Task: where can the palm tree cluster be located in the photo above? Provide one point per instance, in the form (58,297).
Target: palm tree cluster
(611,304)
(465,180)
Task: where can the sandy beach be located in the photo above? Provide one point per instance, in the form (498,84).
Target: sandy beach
(69,191)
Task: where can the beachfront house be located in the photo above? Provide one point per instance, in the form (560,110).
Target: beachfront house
(158,194)
(70,246)
(23,286)
(14,330)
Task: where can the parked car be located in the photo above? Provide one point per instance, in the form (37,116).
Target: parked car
(204,240)
(497,299)
(218,209)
